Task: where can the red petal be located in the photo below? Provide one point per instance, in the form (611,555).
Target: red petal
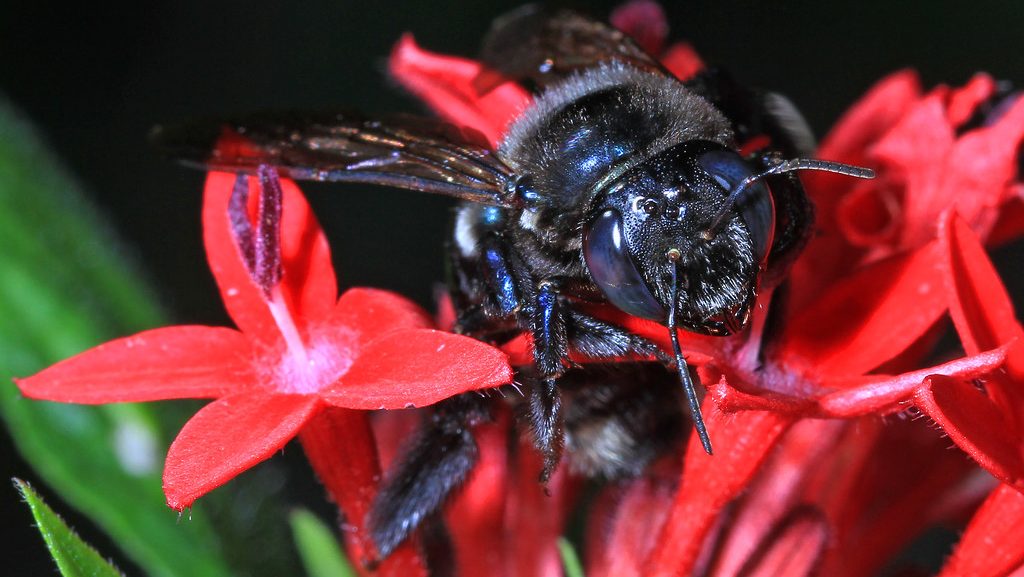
(632,534)
(883,485)
(829,254)
(448,84)
(371,313)
(976,425)
(742,442)
(519,350)
(418,367)
(682,60)
(978,173)
(339,444)
(535,517)
(993,544)
(964,101)
(869,216)
(794,549)
(871,117)
(913,156)
(309,285)
(979,304)
(764,513)
(186,362)
(644,21)
(476,514)
(731,400)
(227,437)
(869,317)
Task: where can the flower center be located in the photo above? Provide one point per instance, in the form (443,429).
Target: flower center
(307,369)
(305,365)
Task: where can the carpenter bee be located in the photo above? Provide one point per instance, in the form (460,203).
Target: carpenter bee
(620,184)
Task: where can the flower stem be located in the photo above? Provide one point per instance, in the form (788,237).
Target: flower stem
(340,446)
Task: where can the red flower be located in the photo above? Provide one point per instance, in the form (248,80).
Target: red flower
(894,257)
(299,358)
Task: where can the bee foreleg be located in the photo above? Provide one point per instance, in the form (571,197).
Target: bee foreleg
(599,340)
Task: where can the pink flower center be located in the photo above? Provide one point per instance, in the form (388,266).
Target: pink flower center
(305,365)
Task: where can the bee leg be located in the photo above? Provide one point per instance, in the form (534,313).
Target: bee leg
(600,340)
(755,112)
(436,461)
(487,290)
(498,293)
(550,348)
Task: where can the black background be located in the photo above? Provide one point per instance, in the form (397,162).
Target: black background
(95,78)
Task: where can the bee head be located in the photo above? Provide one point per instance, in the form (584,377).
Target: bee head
(663,219)
(682,236)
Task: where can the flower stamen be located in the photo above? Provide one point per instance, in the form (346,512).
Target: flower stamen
(260,247)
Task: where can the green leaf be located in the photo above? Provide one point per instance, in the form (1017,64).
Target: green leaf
(65,288)
(74,557)
(318,547)
(570,560)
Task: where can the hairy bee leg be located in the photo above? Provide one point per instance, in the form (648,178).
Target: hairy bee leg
(550,348)
(755,112)
(546,421)
(600,340)
(495,292)
(437,461)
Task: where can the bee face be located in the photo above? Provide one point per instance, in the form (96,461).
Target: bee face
(664,213)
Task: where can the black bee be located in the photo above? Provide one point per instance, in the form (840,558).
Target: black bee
(620,184)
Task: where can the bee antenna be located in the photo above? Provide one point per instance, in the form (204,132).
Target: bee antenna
(681,366)
(782,166)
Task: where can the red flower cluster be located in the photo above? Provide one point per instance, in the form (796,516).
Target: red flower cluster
(808,478)
(793,489)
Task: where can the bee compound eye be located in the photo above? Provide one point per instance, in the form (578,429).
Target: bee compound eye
(606,251)
(728,169)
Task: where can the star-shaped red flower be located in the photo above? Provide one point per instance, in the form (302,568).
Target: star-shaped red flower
(298,350)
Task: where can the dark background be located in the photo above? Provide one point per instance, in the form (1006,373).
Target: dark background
(95,78)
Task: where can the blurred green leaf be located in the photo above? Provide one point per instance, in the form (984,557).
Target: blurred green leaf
(570,560)
(318,547)
(74,557)
(65,289)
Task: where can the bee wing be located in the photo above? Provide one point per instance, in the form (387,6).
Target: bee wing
(404,152)
(531,43)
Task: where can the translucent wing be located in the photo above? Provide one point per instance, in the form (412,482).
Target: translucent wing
(404,152)
(531,43)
